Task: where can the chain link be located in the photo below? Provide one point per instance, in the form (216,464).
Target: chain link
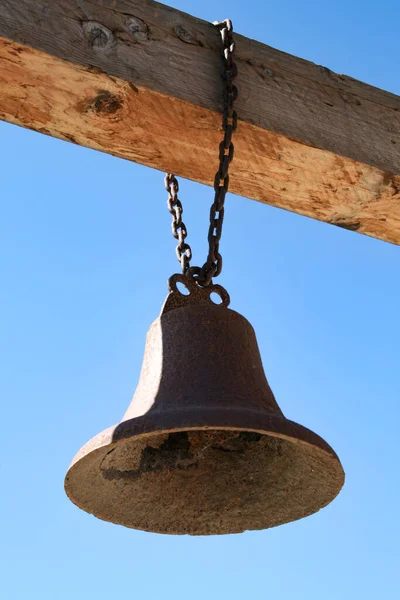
(213,266)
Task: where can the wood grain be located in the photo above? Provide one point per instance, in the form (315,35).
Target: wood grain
(140,80)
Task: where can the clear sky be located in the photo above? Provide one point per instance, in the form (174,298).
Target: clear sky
(85,252)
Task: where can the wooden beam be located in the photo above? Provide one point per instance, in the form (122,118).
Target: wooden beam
(140,80)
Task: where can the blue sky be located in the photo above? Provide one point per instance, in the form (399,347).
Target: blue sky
(85,252)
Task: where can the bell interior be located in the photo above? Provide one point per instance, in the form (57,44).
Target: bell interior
(201,482)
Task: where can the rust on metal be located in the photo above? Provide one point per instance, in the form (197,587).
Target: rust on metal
(204,447)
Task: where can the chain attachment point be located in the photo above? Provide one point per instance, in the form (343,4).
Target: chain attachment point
(196,295)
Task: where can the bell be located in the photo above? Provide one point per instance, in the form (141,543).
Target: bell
(203,448)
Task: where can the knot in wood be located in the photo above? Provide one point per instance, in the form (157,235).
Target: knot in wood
(104,103)
(97,35)
(137,29)
(186,36)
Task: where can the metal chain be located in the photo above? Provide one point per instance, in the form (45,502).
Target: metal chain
(179,231)
(213,266)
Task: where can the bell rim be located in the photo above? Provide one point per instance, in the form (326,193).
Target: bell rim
(240,419)
(104,443)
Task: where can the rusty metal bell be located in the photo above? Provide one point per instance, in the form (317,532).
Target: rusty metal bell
(203,448)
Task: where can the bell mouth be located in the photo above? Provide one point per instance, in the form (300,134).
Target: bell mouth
(204,480)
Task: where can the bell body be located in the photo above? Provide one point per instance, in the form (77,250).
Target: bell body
(204,447)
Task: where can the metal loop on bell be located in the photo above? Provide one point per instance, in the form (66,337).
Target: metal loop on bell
(196,296)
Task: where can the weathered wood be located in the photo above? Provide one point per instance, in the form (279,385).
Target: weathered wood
(140,80)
